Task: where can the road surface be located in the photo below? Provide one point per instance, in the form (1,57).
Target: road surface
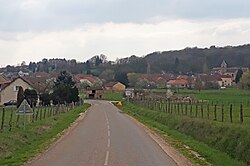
(105,137)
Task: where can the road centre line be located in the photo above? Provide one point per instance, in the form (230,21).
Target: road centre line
(108,143)
(108,133)
(107,158)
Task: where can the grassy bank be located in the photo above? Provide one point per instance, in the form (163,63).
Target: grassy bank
(17,146)
(113,95)
(226,96)
(218,143)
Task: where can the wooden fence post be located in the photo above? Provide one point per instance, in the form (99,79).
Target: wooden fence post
(166,107)
(208,111)
(37,112)
(222,113)
(178,107)
(231,113)
(196,110)
(182,108)
(202,110)
(215,112)
(241,113)
(44,114)
(33,115)
(10,122)
(41,113)
(191,109)
(186,109)
(3,116)
(17,121)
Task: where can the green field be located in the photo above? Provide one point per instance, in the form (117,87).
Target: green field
(219,143)
(226,96)
(113,95)
(216,139)
(17,146)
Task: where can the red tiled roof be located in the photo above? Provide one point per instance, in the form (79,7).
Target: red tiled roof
(156,77)
(111,84)
(178,82)
(15,80)
(79,77)
(226,76)
(3,80)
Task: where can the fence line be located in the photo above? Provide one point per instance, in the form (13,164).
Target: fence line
(217,112)
(9,119)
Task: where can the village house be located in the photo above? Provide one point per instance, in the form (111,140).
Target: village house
(182,81)
(225,70)
(160,80)
(3,82)
(209,81)
(83,78)
(10,90)
(94,93)
(178,83)
(115,86)
(226,80)
(42,81)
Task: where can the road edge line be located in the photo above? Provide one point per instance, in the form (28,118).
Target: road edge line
(58,138)
(177,157)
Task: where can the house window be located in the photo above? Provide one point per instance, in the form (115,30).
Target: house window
(16,88)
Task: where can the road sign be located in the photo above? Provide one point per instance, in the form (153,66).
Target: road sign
(24,108)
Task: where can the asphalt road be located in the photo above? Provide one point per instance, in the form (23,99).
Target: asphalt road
(105,137)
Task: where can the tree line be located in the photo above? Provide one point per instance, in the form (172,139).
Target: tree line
(64,92)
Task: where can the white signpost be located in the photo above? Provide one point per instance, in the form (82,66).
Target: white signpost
(24,109)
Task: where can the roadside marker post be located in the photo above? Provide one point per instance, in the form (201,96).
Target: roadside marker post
(24,109)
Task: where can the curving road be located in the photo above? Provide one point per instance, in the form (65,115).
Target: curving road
(105,137)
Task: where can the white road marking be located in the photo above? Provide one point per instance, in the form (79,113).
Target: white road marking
(108,133)
(108,145)
(107,158)
(108,142)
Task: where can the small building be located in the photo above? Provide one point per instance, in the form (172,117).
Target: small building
(225,70)
(226,80)
(129,92)
(115,86)
(83,78)
(10,90)
(3,82)
(179,83)
(94,93)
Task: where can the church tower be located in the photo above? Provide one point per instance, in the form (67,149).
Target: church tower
(223,64)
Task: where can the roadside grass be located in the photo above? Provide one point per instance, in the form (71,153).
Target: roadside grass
(226,96)
(110,95)
(18,146)
(215,142)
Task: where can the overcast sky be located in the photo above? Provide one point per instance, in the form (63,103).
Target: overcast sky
(79,29)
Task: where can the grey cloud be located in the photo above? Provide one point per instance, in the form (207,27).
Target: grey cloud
(49,15)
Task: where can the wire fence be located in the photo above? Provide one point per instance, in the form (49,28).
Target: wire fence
(233,113)
(10,119)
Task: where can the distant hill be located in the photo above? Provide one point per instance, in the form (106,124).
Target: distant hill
(194,60)
(186,61)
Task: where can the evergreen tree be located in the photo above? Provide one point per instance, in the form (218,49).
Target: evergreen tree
(238,76)
(122,77)
(31,97)
(64,89)
(176,65)
(20,96)
(45,99)
(245,81)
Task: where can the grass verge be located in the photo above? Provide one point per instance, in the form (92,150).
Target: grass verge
(17,146)
(176,131)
